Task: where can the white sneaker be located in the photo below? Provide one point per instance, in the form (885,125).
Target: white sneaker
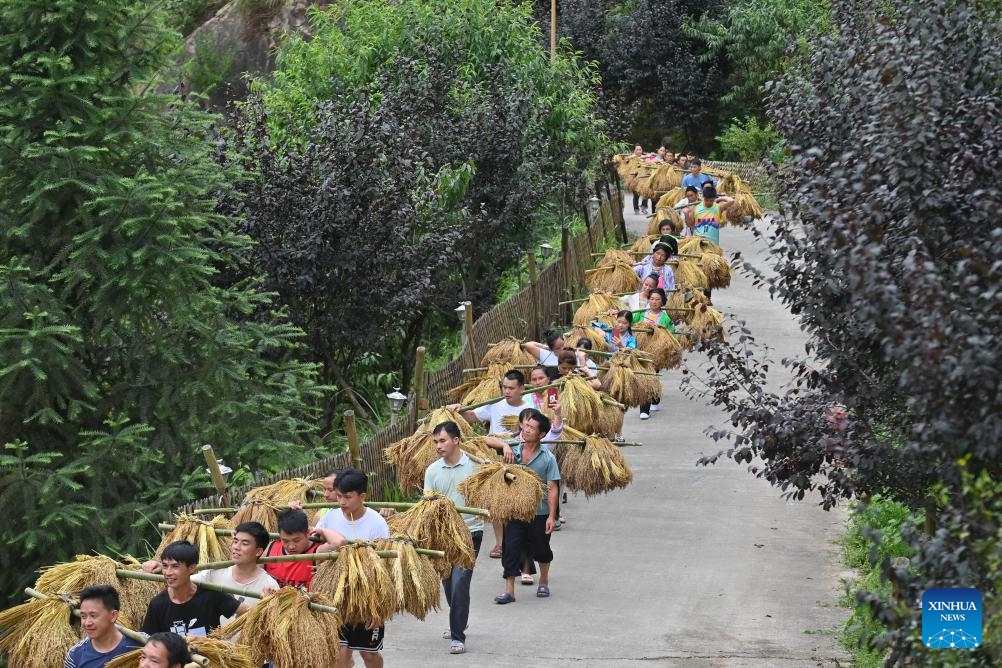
(655,408)
(644,416)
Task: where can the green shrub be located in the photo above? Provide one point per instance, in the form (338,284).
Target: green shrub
(210,65)
(747,140)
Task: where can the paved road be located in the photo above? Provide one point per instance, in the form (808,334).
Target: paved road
(689,566)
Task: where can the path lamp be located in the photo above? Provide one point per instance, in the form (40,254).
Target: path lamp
(594,206)
(397,401)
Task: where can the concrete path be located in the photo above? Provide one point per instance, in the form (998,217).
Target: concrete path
(689,566)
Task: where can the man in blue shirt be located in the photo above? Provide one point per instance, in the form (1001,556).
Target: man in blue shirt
(99,606)
(696,177)
(530,539)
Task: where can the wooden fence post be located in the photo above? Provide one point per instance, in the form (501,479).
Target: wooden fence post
(533,320)
(588,222)
(353,449)
(565,259)
(214,472)
(415,405)
(471,344)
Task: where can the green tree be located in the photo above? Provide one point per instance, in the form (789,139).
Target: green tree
(121,350)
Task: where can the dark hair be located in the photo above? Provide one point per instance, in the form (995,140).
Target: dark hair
(516,376)
(352,480)
(449,427)
(584,342)
(107,594)
(551,336)
(710,192)
(525,412)
(696,161)
(628,316)
(660,291)
(693,189)
(541,421)
(177,648)
(255,529)
(666,223)
(182,552)
(293,521)
(566,356)
(334,473)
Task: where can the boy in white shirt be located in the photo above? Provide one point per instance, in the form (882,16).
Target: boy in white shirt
(353,521)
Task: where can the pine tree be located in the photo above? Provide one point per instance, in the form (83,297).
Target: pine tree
(122,350)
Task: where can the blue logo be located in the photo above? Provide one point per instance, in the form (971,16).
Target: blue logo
(951,618)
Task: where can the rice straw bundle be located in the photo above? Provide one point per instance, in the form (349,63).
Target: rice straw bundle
(642,181)
(506,499)
(614,255)
(72,576)
(624,385)
(415,580)
(697,244)
(708,323)
(610,419)
(494,372)
(488,387)
(510,423)
(580,404)
(135,595)
(717,270)
(651,382)
(684,298)
(629,169)
(440,415)
(667,201)
(282,628)
(732,184)
(222,653)
(254,510)
(596,467)
(618,277)
(597,340)
(37,634)
(434,523)
(744,205)
(508,350)
(687,337)
(202,534)
(410,458)
(661,346)
(477,447)
(688,274)
(358,584)
(664,179)
(598,303)
(643,244)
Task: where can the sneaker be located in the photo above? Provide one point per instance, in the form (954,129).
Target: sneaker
(643,209)
(618,439)
(655,408)
(636,212)
(644,416)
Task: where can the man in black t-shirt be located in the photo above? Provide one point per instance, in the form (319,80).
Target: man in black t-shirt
(185,608)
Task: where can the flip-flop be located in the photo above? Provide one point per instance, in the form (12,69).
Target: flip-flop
(543,592)
(505,599)
(457,647)
(527,580)
(496,553)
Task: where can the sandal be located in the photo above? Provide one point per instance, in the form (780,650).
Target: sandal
(527,580)
(496,553)
(457,647)
(543,592)
(505,598)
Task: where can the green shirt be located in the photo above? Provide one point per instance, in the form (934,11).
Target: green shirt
(445,479)
(544,465)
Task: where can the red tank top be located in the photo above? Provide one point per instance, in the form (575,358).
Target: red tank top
(292,573)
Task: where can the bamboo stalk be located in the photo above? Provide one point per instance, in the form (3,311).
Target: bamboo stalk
(235,591)
(602,353)
(646,253)
(682,309)
(609,401)
(582,442)
(483,368)
(274,536)
(309,506)
(618,294)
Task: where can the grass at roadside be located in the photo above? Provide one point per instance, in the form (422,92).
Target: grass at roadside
(862,553)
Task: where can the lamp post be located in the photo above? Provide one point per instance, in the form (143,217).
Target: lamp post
(545,251)
(397,400)
(594,206)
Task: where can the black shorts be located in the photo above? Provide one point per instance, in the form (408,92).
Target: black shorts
(361,639)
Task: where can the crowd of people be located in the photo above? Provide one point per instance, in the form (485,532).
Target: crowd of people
(185,608)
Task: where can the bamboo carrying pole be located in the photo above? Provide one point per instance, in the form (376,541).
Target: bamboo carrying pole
(620,444)
(287,558)
(463,409)
(478,369)
(163,526)
(616,294)
(235,591)
(396,505)
(645,253)
(217,475)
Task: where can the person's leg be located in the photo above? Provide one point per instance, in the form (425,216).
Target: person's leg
(636,203)
(515,534)
(498,537)
(459,597)
(540,546)
(343,657)
(372,659)
(544,575)
(645,411)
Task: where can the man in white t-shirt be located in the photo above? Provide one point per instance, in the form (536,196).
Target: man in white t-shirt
(512,403)
(353,521)
(249,542)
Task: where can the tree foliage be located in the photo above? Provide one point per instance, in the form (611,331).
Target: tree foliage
(404,153)
(891,258)
(121,351)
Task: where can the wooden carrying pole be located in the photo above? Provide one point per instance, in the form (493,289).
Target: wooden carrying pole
(352,433)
